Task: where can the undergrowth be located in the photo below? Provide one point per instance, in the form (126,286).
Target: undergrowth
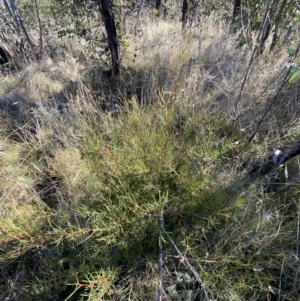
(82,184)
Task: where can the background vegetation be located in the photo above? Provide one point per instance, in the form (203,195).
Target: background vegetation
(91,159)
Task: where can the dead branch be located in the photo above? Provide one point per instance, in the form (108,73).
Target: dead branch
(275,160)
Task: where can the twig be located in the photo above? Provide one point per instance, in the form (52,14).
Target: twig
(184,259)
(160,258)
(280,279)
(270,105)
(298,233)
(6,178)
(272,102)
(256,48)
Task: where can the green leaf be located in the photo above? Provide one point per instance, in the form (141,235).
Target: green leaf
(293,74)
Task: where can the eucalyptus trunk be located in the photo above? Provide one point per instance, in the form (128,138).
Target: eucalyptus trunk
(111,31)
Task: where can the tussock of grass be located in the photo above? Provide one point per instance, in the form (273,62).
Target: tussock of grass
(83,180)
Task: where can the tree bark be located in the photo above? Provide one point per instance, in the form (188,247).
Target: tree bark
(185,13)
(110,27)
(18,20)
(5,55)
(268,25)
(158,6)
(236,9)
(40,29)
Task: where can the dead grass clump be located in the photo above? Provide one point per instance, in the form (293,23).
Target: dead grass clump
(17,178)
(38,83)
(78,186)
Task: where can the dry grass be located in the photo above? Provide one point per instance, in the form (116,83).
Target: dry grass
(87,166)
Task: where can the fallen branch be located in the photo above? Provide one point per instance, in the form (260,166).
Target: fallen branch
(275,160)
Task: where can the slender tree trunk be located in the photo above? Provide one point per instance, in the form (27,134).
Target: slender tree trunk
(165,10)
(110,27)
(236,9)
(268,25)
(185,13)
(19,21)
(5,55)
(158,6)
(16,26)
(40,28)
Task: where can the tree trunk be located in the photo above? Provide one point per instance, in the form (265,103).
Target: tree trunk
(165,10)
(268,25)
(5,54)
(40,29)
(236,9)
(110,27)
(158,6)
(185,13)
(18,20)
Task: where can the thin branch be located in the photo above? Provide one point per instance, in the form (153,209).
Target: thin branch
(272,102)
(298,233)
(181,255)
(160,257)
(256,48)
(270,105)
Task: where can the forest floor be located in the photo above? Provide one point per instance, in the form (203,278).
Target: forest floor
(89,162)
